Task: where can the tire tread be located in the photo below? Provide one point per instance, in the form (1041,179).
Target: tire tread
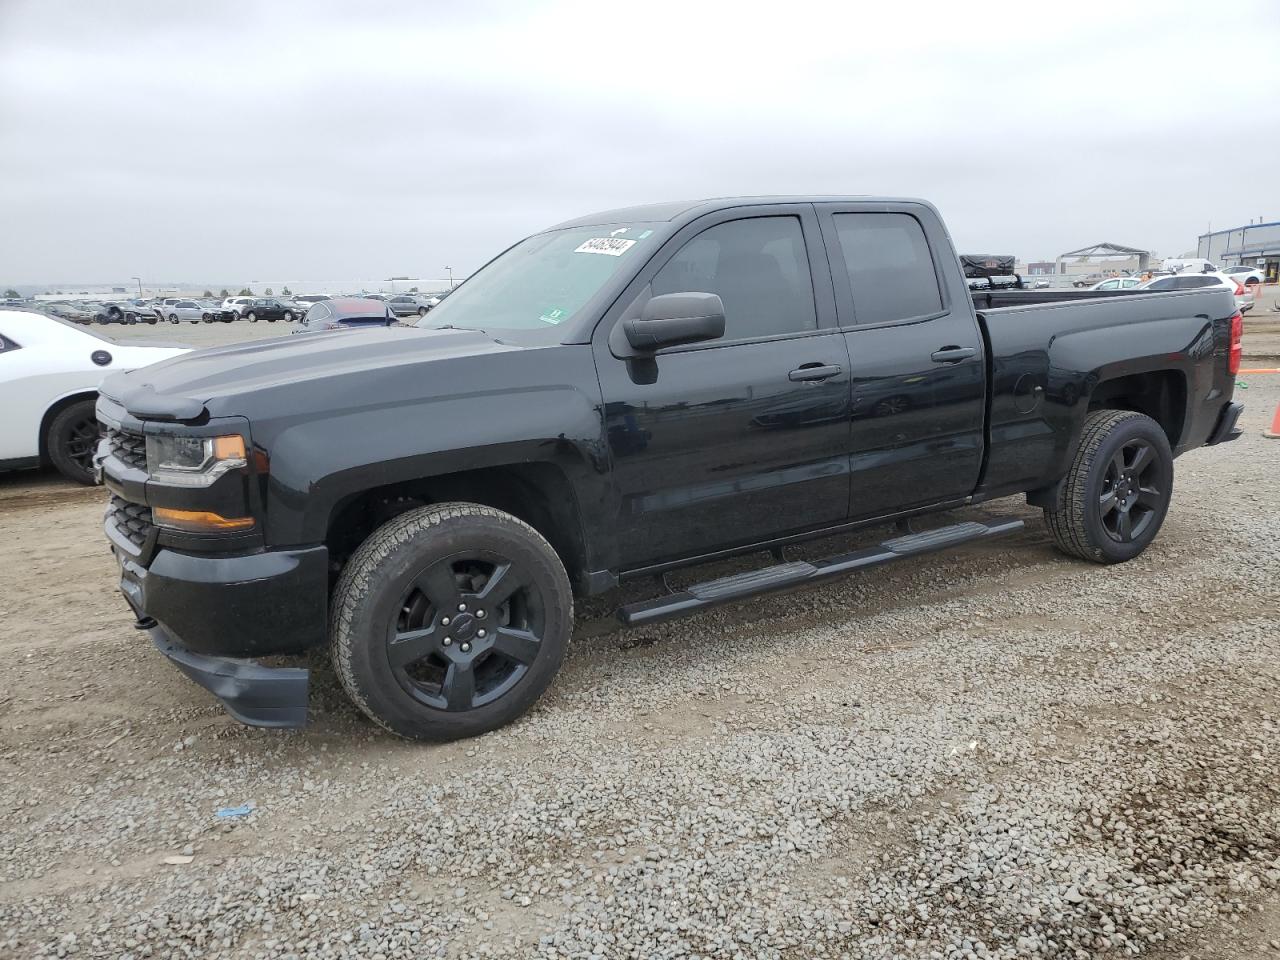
(369,558)
(1066,519)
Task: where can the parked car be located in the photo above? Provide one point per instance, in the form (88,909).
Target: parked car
(214,312)
(163,307)
(237,305)
(1244,275)
(311,298)
(346,312)
(49,376)
(1201,281)
(191,311)
(75,312)
(1118,283)
(1036,283)
(615,397)
(1088,280)
(267,308)
(408,304)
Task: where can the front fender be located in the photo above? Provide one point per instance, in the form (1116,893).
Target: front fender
(316,464)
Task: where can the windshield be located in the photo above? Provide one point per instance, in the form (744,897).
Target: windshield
(544,280)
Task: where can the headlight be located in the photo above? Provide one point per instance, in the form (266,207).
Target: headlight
(193,461)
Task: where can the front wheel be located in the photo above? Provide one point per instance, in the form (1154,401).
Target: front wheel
(71,440)
(450,621)
(1117,490)
(288,316)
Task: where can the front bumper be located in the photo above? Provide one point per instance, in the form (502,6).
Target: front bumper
(253,694)
(268,603)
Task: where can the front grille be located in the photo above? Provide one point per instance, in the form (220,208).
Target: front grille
(132,520)
(128,447)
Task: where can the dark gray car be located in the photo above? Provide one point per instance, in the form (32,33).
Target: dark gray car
(410,304)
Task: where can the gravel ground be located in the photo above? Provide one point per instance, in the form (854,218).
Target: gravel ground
(993,752)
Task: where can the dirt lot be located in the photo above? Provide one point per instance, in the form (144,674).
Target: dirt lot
(994,752)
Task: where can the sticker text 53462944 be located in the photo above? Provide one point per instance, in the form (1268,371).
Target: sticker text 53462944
(609,246)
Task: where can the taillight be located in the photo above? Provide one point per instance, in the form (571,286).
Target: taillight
(1237,334)
(1239,289)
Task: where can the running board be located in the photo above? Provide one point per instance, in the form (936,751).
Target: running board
(786,576)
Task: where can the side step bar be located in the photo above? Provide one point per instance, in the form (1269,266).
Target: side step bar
(786,576)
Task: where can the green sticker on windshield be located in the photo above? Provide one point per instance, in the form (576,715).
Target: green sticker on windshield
(552,316)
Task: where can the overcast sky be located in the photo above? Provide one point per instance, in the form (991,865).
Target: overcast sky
(228,141)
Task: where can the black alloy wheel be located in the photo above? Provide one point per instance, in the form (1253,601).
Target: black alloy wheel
(450,620)
(72,440)
(1117,491)
(1131,492)
(467,630)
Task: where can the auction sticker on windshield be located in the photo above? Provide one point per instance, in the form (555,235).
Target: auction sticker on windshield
(609,246)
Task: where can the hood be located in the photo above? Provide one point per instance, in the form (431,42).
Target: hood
(179,388)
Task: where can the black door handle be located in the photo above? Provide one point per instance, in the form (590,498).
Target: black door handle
(952,354)
(810,372)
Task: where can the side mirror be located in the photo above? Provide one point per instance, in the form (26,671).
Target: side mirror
(676,318)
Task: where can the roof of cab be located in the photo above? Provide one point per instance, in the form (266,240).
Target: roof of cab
(687,209)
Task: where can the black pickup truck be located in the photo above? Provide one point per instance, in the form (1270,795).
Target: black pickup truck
(616,396)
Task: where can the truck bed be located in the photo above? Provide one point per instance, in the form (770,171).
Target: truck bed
(1048,351)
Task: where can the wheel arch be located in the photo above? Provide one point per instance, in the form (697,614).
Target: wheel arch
(1159,394)
(540,493)
(53,410)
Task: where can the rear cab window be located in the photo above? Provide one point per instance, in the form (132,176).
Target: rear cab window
(888,266)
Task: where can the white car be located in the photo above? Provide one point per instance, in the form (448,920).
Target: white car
(1244,275)
(237,305)
(1199,281)
(187,310)
(49,376)
(1117,283)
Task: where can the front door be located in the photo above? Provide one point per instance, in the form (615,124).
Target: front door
(918,366)
(744,438)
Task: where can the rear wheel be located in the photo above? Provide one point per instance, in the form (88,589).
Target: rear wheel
(251,317)
(173,318)
(422,311)
(1117,491)
(72,439)
(450,621)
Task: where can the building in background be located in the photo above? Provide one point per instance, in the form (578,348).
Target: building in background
(1255,245)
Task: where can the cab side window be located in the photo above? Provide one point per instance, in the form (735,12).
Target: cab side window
(890,269)
(758,267)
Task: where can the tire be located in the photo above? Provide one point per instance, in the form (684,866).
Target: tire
(409,576)
(205,318)
(422,311)
(153,320)
(1107,511)
(288,316)
(71,440)
(251,317)
(173,318)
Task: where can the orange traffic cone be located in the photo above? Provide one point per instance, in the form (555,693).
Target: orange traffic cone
(1274,432)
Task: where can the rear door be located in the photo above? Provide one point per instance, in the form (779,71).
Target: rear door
(916,357)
